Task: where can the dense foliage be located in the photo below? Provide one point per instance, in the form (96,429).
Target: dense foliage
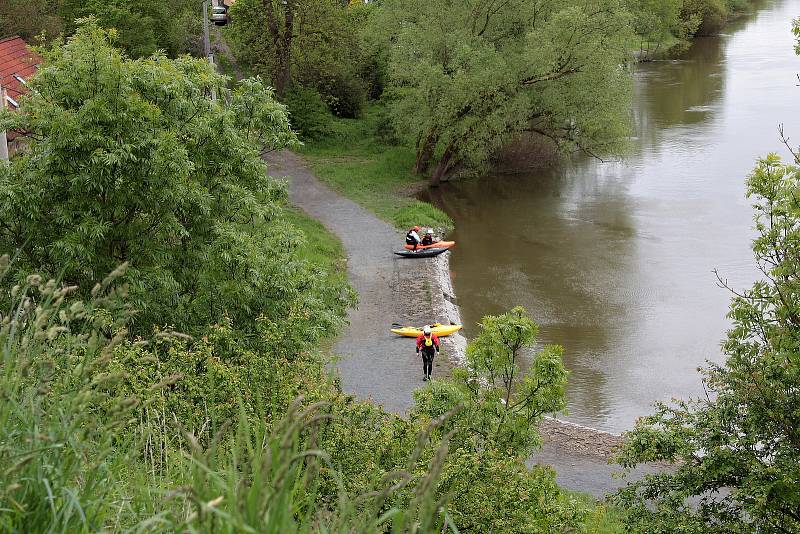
(313,43)
(736,453)
(462,80)
(141,26)
(130,161)
(660,23)
(87,446)
(493,429)
(111,421)
(97,430)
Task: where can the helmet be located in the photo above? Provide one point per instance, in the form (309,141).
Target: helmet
(426,330)
(416,228)
(429,231)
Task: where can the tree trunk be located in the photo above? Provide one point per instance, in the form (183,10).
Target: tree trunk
(282,73)
(282,44)
(445,166)
(425,153)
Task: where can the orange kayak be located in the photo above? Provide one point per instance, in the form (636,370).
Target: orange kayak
(437,244)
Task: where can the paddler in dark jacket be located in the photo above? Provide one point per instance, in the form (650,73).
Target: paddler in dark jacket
(428,344)
(412,237)
(427,239)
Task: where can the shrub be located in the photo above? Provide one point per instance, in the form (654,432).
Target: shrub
(308,113)
(344,94)
(73,390)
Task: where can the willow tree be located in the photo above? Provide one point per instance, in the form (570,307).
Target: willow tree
(467,76)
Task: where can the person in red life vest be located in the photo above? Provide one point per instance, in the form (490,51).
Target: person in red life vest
(428,344)
(412,237)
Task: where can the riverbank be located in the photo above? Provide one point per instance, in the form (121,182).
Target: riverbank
(379,366)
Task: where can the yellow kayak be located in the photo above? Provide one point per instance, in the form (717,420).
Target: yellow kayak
(439,329)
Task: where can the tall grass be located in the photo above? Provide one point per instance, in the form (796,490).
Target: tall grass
(58,449)
(270,483)
(70,462)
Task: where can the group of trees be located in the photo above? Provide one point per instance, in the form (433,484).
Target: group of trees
(459,79)
(130,161)
(132,169)
(142,26)
(462,79)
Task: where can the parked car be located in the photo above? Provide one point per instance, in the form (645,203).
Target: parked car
(219,15)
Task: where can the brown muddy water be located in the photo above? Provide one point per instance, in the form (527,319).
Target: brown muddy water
(614,260)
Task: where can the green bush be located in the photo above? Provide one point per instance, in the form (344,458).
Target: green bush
(308,113)
(345,95)
(204,233)
(712,14)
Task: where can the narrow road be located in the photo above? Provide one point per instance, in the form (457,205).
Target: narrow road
(382,367)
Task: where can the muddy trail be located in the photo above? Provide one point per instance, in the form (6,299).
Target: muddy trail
(378,366)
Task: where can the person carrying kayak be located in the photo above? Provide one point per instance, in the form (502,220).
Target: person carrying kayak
(428,344)
(427,239)
(412,237)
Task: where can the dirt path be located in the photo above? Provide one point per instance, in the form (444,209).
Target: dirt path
(220,48)
(380,366)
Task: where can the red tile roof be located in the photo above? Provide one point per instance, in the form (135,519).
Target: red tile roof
(16,58)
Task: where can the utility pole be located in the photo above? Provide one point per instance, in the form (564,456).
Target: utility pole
(3,137)
(207,44)
(206,38)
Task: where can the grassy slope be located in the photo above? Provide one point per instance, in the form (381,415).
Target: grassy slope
(355,162)
(322,247)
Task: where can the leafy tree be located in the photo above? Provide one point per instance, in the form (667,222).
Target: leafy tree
(502,405)
(308,113)
(312,42)
(132,161)
(494,429)
(736,452)
(711,14)
(659,21)
(142,26)
(30,18)
(468,76)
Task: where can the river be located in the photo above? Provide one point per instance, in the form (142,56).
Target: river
(614,259)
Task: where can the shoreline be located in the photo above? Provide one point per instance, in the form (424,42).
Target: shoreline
(580,439)
(444,307)
(581,456)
